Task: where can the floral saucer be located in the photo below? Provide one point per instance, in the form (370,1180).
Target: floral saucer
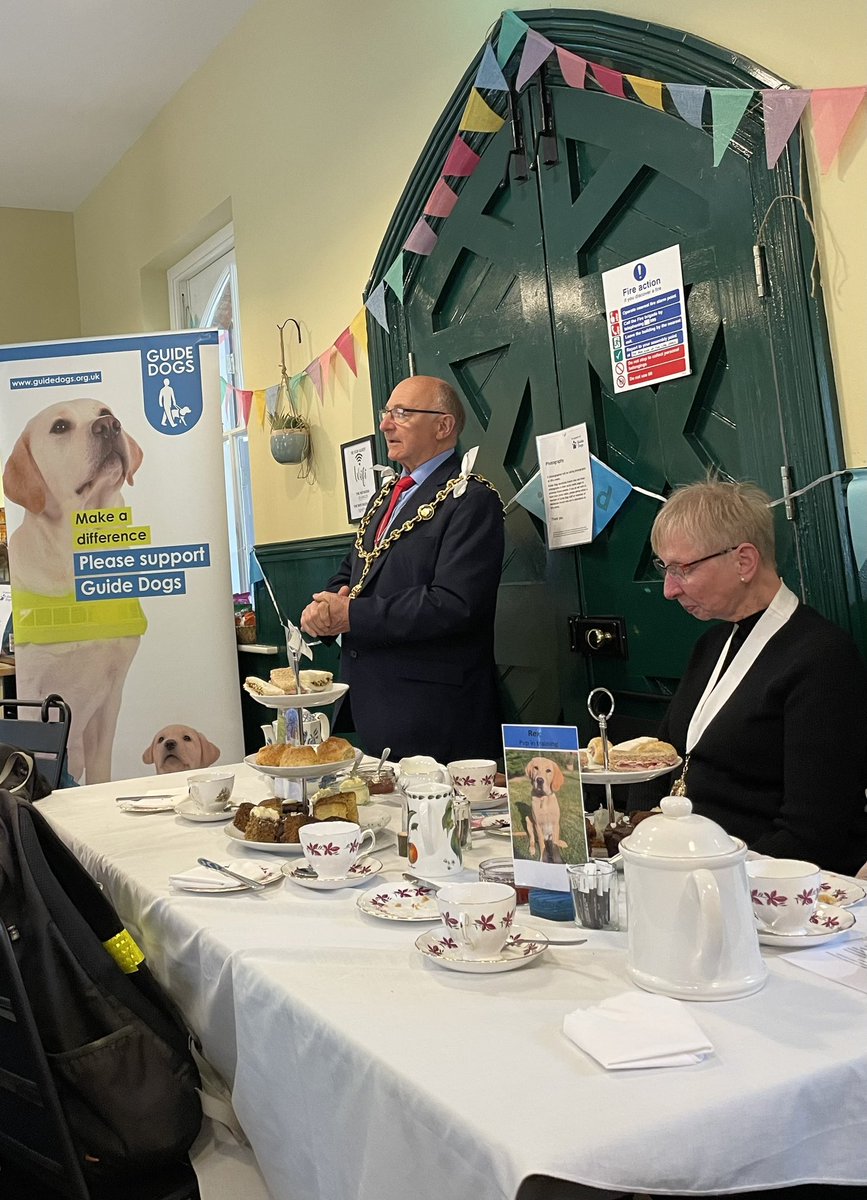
(523,946)
(496,826)
(827,923)
(186,808)
(364,869)
(401,902)
(841,893)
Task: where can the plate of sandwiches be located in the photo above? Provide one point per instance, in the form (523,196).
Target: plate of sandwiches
(634,761)
(303,762)
(281,689)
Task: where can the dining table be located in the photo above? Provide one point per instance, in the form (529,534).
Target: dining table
(361,1069)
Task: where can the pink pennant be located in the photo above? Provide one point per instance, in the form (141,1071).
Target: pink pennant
(346,347)
(461,160)
(537,49)
(245,395)
(422,239)
(833,110)
(315,372)
(782,109)
(610,81)
(573,66)
(441,201)
(325,366)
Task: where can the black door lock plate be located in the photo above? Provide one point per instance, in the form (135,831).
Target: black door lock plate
(598,637)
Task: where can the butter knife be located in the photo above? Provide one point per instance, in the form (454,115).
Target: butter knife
(215,866)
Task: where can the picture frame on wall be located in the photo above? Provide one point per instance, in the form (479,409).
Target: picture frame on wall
(359,477)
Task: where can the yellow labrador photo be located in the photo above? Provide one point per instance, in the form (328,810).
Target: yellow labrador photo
(70,456)
(180,748)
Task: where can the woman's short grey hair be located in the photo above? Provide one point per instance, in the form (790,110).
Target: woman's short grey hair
(716,513)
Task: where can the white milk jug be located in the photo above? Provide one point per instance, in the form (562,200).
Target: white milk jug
(434,847)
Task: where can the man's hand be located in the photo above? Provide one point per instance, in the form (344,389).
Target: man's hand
(327,614)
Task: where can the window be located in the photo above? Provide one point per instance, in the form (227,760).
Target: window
(203,294)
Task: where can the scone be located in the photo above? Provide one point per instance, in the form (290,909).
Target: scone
(334,749)
(283,678)
(298,756)
(269,756)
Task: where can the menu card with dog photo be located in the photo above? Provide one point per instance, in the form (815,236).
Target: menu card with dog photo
(546,803)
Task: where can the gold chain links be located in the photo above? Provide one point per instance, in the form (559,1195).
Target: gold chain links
(424,513)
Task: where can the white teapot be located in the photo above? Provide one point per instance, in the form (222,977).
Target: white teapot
(420,768)
(691,930)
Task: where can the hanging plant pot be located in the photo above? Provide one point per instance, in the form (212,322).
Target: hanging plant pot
(289,445)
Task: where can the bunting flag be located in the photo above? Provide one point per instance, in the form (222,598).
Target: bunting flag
(512,29)
(245,396)
(394,278)
(490,76)
(479,117)
(833,110)
(573,67)
(609,493)
(259,401)
(609,80)
(688,100)
(441,200)
(648,91)
(375,305)
(782,110)
(294,385)
(271,395)
(358,328)
(314,372)
(727,106)
(461,159)
(422,239)
(537,49)
(346,349)
(325,364)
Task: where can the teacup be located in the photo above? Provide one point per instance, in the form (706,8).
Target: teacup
(785,893)
(333,847)
(474,778)
(479,916)
(210,793)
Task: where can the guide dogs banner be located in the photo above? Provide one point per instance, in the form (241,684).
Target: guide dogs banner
(118,548)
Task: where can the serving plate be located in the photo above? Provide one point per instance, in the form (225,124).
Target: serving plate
(307,771)
(596,775)
(301,699)
(294,848)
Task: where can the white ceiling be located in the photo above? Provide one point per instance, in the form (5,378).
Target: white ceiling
(80,80)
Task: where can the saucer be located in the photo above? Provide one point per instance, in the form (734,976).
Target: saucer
(845,891)
(524,945)
(497,826)
(497,799)
(828,922)
(187,809)
(401,902)
(199,879)
(364,869)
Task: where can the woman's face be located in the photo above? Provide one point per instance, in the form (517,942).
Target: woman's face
(712,590)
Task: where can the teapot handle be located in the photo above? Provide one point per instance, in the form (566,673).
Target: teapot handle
(710,947)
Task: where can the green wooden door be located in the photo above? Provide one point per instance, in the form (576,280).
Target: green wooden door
(509,308)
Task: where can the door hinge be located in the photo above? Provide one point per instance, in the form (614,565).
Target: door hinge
(761,270)
(517,167)
(789,505)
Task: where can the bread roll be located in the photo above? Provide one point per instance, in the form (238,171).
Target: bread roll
(298,756)
(594,752)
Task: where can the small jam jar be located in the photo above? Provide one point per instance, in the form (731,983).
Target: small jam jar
(502,870)
(379,783)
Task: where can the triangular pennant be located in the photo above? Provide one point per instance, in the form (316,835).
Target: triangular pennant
(531,496)
(537,49)
(245,396)
(609,80)
(461,159)
(224,387)
(782,110)
(573,67)
(441,201)
(394,278)
(833,110)
(648,91)
(346,349)
(727,106)
(479,117)
(489,76)
(375,304)
(512,29)
(609,492)
(271,396)
(688,100)
(358,326)
(422,239)
(325,364)
(314,372)
(259,401)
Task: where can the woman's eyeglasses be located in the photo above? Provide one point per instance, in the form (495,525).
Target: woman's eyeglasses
(402,415)
(682,570)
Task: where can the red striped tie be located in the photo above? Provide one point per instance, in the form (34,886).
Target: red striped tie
(403,484)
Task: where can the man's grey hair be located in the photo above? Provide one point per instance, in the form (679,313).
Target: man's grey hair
(450,402)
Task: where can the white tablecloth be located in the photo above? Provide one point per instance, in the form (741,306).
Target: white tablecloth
(361,1071)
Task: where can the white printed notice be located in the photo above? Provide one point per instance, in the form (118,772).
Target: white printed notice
(845,962)
(118,548)
(646,312)
(567,486)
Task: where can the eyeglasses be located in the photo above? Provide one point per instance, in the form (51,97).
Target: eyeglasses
(402,415)
(682,570)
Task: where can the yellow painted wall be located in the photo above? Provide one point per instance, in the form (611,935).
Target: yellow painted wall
(38,283)
(304,127)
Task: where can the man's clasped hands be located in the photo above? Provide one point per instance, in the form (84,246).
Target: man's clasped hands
(327,614)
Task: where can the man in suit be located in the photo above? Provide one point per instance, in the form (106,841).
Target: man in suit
(415,598)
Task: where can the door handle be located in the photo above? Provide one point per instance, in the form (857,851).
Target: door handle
(598,637)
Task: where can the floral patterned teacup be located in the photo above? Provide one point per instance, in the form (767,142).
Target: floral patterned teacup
(785,893)
(474,778)
(332,847)
(478,916)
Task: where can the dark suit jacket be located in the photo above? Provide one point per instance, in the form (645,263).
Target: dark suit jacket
(419,657)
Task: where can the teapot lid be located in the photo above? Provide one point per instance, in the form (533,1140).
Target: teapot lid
(679,833)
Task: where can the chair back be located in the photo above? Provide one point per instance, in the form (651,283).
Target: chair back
(41,727)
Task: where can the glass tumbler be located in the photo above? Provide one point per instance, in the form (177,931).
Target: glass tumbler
(594,887)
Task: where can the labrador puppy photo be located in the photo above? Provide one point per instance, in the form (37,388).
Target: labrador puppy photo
(70,456)
(180,748)
(542,815)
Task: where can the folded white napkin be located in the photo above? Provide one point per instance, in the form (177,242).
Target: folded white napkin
(160,801)
(638,1029)
(205,879)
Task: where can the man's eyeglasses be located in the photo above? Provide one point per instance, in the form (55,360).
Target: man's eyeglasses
(402,415)
(682,570)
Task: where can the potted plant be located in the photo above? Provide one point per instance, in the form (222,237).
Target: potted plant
(290,436)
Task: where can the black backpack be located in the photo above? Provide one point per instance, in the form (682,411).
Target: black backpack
(118,1051)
